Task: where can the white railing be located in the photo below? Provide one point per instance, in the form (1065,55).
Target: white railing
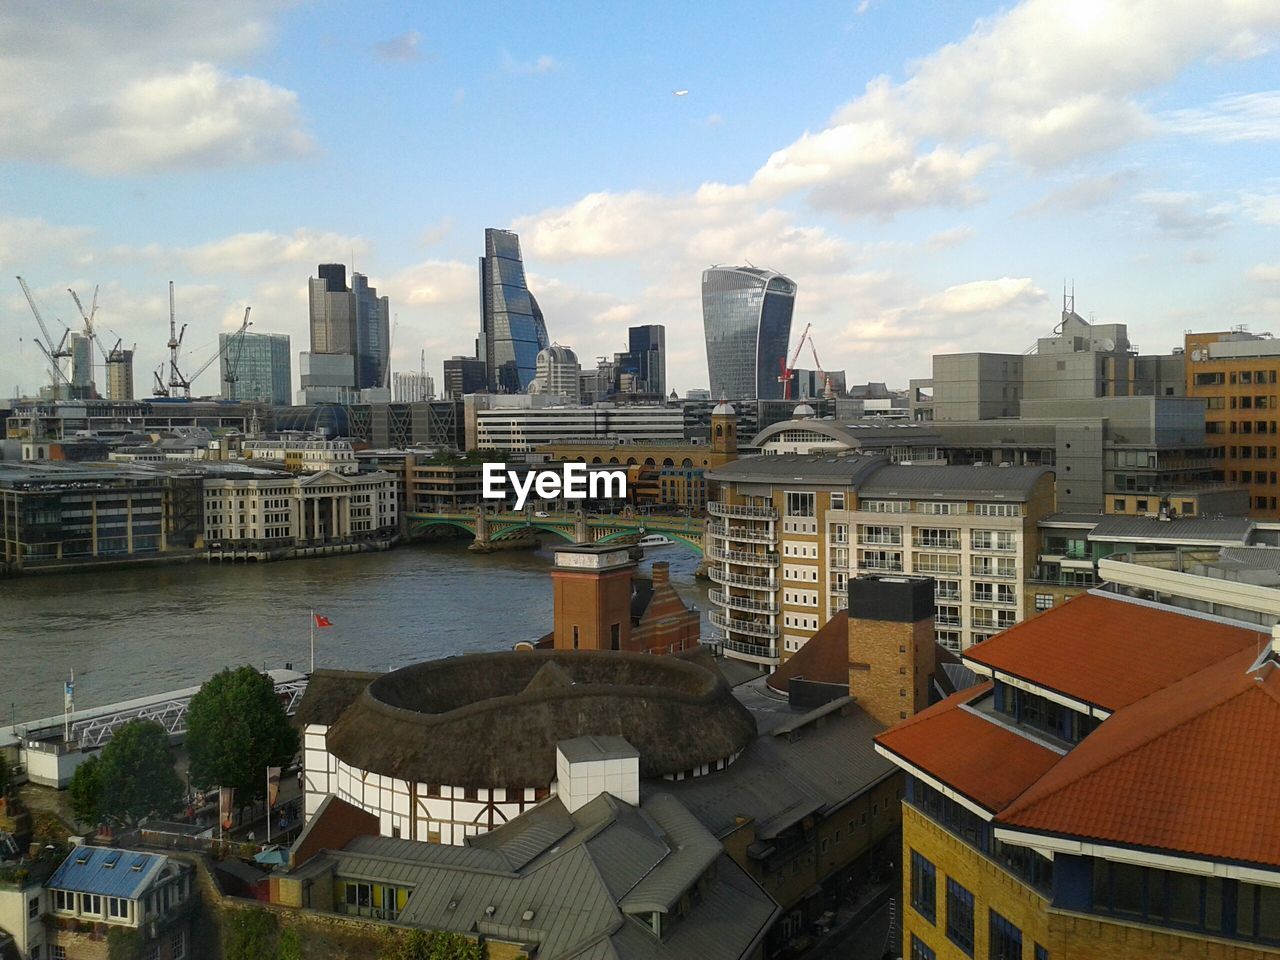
(740,512)
(748,535)
(742,603)
(756,650)
(738,580)
(748,559)
(750,627)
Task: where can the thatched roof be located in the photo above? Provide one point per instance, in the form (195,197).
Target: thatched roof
(329,693)
(493,719)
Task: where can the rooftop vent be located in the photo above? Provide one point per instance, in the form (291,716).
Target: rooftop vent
(527,916)
(490,910)
(83,858)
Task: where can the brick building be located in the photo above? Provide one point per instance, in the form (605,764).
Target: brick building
(1106,792)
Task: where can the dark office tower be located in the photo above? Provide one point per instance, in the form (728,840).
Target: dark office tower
(647,357)
(334,276)
(464,375)
(746,316)
(511,324)
(373,333)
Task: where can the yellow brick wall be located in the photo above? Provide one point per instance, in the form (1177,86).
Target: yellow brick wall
(1067,936)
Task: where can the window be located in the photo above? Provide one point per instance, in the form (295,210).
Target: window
(1004,940)
(960,916)
(837,501)
(920,950)
(178,944)
(924,883)
(57,952)
(64,900)
(117,907)
(1044,601)
(91,903)
(33,908)
(800,505)
(1042,953)
(1118,504)
(615,636)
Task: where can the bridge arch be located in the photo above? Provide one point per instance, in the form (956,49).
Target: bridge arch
(523,527)
(463,525)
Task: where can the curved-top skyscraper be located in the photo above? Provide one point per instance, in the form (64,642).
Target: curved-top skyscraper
(512,327)
(746,316)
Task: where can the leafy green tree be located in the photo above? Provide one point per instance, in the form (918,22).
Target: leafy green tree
(249,935)
(136,774)
(86,792)
(290,946)
(236,728)
(123,943)
(429,945)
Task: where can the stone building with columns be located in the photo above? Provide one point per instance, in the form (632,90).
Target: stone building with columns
(287,511)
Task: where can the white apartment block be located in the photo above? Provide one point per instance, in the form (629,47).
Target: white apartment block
(787,532)
(524,430)
(284,510)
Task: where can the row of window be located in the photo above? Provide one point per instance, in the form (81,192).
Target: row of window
(1004,938)
(1239,377)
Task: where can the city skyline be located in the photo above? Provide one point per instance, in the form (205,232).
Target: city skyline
(931,198)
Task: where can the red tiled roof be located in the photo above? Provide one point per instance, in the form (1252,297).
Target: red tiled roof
(970,754)
(823,658)
(1194,768)
(1110,652)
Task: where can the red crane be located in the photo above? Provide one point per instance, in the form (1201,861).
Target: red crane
(788,369)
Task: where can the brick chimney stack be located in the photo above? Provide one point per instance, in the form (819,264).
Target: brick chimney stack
(661,573)
(891,645)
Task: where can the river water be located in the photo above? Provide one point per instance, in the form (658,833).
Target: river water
(129,633)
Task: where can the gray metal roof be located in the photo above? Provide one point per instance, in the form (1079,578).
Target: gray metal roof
(580,875)
(1074,520)
(856,433)
(1217,531)
(108,872)
(923,482)
(782,777)
(841,467)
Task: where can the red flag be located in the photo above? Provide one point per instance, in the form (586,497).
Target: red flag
(226,810)
(273,785)
(322,621)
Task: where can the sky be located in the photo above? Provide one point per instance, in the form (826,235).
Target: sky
(931,175)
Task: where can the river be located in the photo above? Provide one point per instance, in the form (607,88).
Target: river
(129,633)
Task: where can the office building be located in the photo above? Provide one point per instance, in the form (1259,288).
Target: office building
(119,369)
(787,532)
(1233,375)
(259,364)
(525,422)
(746,318)
(326,378)
(413,387)
(645,362)
(1071,805)
(463,375)
(557,373)
(511,325)
(332,311)
(373,334)
(300,453)
(81,365)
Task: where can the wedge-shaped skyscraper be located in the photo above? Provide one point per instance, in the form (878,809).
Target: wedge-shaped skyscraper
(512,328)
(746,316)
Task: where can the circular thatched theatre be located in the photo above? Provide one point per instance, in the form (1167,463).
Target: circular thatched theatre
(437,738)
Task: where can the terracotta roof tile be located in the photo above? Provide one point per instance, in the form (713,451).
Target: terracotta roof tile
(1194,768)
(1110,652)
(979,759)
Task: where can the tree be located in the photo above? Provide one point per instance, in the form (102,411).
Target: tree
(86,792)
(136,774)
(236,728)
(249,934)
(429,945)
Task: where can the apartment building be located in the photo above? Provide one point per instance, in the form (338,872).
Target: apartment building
(787,532)
(1234,373)
(304,454)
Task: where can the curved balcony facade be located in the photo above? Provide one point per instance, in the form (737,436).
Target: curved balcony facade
(738,580)
(752,628)
(768,560)
(743,603)
(740,512)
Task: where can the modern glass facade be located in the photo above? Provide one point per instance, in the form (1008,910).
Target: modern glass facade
(373,333)
(512,327)
(261,366)
(746,316)
(646,358)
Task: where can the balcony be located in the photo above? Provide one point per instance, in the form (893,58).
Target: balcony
(747,559)
(747,535)
(743,603)
(947,620)
(737,580)
(755,652)
(884,566)
(871,540)
(738,512)
(752,628)
(936,543)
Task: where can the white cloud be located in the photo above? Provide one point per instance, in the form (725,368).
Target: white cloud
(543,63)
(1265,273)
(1242,117)
(402,48)
(255,253)
(1184,215)
(114,91)
(946,239)
(1262,207)
(985,296)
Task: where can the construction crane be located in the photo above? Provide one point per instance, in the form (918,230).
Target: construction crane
(789,369)
(234,341)
(91,333)
(53,352)
(178,385)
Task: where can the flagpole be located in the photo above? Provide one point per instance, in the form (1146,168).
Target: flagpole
(268,806)
(313,640)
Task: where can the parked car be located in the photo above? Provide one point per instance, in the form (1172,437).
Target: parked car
(541,513)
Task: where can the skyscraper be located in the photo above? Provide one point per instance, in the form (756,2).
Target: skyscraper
(120,374)
(373,333)
(558,373)
(463,375)
(746,316)
(333,311)
(646,359)
(261,367)
(511,323)
(81,365)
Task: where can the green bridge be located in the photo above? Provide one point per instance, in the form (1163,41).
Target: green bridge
(572,527)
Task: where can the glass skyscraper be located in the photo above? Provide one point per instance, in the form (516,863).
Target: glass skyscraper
(746,316)
(354,321)
(373,333)
(511,324)
(262,368)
